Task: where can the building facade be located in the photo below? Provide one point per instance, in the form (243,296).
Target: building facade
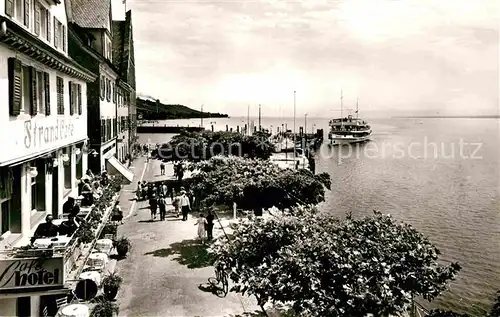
(43,93)
(91,44)
(124,60)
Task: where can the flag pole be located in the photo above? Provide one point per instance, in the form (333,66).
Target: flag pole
(357,111)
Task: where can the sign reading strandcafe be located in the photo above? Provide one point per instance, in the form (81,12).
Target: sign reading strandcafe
(37,134)
(31,273)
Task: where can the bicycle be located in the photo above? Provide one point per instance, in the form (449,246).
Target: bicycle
(220,280)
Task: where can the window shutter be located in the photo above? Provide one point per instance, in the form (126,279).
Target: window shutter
(56,33)
(9,7)
(79,98)
(114,93)
(63,44)
(108,90)
(37,18)
(49,27)
(71,98)
(103,88)
(47,93)
(15,86)
(33,92)
(27,13)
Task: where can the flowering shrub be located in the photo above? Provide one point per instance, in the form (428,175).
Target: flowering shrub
(322,266)
(255,184)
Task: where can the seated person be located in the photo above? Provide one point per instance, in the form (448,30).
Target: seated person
(46,229)
(117,213)
(97,190)
(88,198)
(90,174)
(104,178)
(68,227)
(68,205)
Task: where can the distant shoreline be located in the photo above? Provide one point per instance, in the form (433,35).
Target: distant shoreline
(448,117)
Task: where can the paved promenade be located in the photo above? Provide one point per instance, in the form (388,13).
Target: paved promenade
(166,265)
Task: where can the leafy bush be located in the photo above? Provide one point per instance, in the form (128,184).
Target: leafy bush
(329,267)
(255,184)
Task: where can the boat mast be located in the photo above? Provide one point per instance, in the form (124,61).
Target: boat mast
(248,119)
(260,127)
(341,112)
(357,111)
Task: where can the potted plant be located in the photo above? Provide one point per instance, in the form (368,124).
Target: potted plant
(105,309)
(122,246)
(111,283)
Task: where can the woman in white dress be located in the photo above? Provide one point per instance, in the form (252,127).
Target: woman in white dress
(201,223)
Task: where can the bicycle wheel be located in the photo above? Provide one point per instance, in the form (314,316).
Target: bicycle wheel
(213,281)
(225,285)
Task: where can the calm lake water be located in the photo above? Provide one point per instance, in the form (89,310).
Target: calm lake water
(440,175)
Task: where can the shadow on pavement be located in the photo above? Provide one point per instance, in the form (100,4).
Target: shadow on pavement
(249,314)
(209,288)
(189,252)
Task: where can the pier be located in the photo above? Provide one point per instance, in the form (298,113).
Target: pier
(167,129)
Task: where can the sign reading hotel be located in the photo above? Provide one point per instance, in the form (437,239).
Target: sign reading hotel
(31,273)
(38,135)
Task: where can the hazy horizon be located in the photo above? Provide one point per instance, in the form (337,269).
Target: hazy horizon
(418,56)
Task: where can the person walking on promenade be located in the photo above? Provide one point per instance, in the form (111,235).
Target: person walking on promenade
(176,202)
(153,205)
(210,225)
(138,192)
(163,207)
(185,205)
(164,189)
(201,222)
(117,213)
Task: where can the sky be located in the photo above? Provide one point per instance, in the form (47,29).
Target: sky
(421,56)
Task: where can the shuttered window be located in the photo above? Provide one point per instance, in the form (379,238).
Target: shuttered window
(56,33)
(27,13)
(71,98)
(63,36)
(114,93)
(60,96)
(15,86)
(108,90)
(79,98)
(33,92)
(103,130)
(49,27)
(103,87)
(9,8)
(38,18)
(47,93)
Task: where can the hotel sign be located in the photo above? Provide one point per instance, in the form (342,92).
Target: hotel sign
(31,273)
(37,134)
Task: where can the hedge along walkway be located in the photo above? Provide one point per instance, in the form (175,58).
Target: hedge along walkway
(166,266)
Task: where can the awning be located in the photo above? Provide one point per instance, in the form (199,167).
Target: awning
(115,167)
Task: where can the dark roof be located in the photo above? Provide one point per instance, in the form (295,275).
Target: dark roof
(123,49)
(93,14)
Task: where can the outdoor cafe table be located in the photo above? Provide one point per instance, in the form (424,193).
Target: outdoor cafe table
(44,243)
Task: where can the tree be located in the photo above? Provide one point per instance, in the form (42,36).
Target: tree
(196,146)
(255,184)
(323,266)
